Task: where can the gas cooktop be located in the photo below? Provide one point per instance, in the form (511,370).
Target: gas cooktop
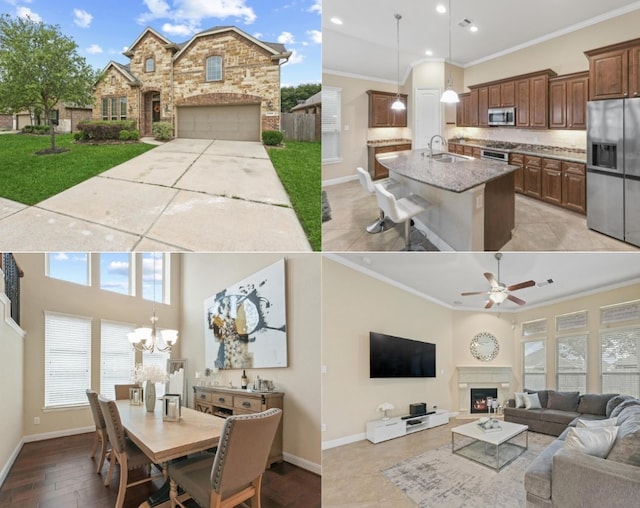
(501,144)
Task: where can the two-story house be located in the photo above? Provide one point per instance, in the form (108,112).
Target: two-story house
(221,84)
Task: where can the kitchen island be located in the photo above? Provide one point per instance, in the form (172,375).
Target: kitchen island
(473,199)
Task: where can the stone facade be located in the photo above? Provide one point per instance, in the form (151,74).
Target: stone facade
(250,75)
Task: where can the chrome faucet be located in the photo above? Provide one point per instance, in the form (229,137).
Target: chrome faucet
(444,143)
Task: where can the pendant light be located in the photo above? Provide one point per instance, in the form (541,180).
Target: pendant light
(398,105)
(449,96)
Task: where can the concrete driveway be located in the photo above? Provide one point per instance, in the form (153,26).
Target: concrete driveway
(185,195)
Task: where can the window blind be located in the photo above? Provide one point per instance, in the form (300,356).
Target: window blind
(67,360)
(534,365)
(157,358)
(619,362)
(331,105)
(117,357)
(571,363)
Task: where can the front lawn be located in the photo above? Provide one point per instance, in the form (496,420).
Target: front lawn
(298,166)
(29,178)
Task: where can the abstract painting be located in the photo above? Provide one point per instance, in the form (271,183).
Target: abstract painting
(245,324)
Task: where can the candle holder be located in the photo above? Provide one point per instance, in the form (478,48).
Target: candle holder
(171,407)
(135,396)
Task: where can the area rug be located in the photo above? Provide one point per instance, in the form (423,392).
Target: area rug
(326,209)
(439,478)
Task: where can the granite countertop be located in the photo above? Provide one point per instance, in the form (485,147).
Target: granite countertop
(388,142)
(457,176)
(565,154)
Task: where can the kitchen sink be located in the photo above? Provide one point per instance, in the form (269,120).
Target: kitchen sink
(450,157)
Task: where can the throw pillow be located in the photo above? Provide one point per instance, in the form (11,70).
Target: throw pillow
(609,422)
(627,449)
(543,395)
(625,404)
(519,399)
(595,404)
(531,401)
(563,401)
(596,442)
(615,402)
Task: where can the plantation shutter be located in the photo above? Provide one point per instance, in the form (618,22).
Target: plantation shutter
(534,365)
(572,363)
(67,360)
(117,357)
(620,367)
(331,104)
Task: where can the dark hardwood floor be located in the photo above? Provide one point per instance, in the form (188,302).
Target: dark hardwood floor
(58,473)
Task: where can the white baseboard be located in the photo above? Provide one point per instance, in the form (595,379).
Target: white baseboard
(343,441)
(58,433)
(303,463)
(336,181)
(7,467)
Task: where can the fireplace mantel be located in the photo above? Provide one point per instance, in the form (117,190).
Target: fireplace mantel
(482,376)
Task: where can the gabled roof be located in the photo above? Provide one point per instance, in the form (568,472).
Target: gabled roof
(124,70)
(147,30)
(314,100)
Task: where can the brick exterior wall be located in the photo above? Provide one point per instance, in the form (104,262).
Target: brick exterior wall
(6,122)
(249,77)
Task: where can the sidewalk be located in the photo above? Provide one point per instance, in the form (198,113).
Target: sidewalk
(185,195)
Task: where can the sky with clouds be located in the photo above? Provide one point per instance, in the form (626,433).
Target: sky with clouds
(104,29)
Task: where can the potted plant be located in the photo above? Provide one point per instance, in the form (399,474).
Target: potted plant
(148,376)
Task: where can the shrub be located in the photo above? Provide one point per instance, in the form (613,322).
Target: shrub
(125,135)
(272,138)
(27,129)
(105,129)
(162,131)
(77,136)
(134,135)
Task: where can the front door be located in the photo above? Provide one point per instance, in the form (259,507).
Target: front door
(156,109)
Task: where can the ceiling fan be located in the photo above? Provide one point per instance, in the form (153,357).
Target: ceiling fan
(499,292)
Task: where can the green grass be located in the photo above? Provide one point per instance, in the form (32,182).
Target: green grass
(298,166)
(29,178)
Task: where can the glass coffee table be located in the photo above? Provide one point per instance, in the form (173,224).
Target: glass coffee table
(494,448)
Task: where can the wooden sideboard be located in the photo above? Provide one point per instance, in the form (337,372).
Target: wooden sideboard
(225,402)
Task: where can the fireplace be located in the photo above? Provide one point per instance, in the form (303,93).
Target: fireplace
(479,398)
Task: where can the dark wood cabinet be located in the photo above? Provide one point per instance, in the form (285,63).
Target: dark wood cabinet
(483,106)
(551,181)
(523,93)
(568,101)
(463,110)
(532,169)
(574,183)
(377,170)
(502,95)
(473,108)
(538,101)
(517,159)
(614,71)
(380,112)
(634,73)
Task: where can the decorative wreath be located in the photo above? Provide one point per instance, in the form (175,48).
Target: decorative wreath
(156,108)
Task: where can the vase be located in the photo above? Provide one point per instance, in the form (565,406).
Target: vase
(150,396)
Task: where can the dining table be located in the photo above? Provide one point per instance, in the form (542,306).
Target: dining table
(164,440)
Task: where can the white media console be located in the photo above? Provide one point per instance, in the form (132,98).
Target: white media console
(383,430)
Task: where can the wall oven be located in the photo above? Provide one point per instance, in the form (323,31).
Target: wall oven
(502,116)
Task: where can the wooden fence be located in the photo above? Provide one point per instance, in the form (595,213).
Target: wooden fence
(300,126)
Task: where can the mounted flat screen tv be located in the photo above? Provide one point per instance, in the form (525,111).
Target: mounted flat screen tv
(393,357)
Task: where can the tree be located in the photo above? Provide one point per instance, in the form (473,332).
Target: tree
(39,68)
(290,96)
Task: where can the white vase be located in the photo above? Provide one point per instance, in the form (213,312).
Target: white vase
(150,396)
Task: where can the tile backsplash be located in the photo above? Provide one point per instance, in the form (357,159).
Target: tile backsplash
(559,138)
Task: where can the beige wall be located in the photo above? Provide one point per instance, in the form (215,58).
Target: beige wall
(354,304)
(11,379)
(40,294)
(206,274)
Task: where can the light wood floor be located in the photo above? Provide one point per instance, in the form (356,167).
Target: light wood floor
(58,473)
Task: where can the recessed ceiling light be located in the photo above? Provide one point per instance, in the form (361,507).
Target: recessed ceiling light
(441,9)
(473,28)
(457,302)
(336,21)
(429,52)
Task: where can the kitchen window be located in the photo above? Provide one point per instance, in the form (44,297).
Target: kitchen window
(331,109)
(214,68)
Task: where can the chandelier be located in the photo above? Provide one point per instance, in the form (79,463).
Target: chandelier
(145,338)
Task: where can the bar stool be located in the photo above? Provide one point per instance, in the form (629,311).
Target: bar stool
(383,223)
(402,210)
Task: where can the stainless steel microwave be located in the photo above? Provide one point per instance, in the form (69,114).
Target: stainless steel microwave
(502,116)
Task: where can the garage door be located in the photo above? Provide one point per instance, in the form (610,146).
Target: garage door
(236,123)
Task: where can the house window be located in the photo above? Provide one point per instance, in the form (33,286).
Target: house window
(54,116)
(155,271)
(117,357)
(534,364)
(571,365)
(114,108)
(116,272)
(105,109)
(67,360)
(214,68)
(620,361)
(69,266)
(113,80)
(123,108)
(331,106)
(150,64)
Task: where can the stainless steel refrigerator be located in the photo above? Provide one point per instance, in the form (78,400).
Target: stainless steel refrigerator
(613,168)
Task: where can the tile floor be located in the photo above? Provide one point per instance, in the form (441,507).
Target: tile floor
(539,226)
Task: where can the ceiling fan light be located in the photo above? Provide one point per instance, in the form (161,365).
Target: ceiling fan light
(449,97)
(398,105)
(498,296)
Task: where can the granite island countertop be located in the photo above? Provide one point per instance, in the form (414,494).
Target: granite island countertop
(457,176)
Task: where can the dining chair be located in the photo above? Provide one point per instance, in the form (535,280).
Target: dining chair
(383,223)
(101,429)
(123,451)
(402,210)
(234,474)
(122,391)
